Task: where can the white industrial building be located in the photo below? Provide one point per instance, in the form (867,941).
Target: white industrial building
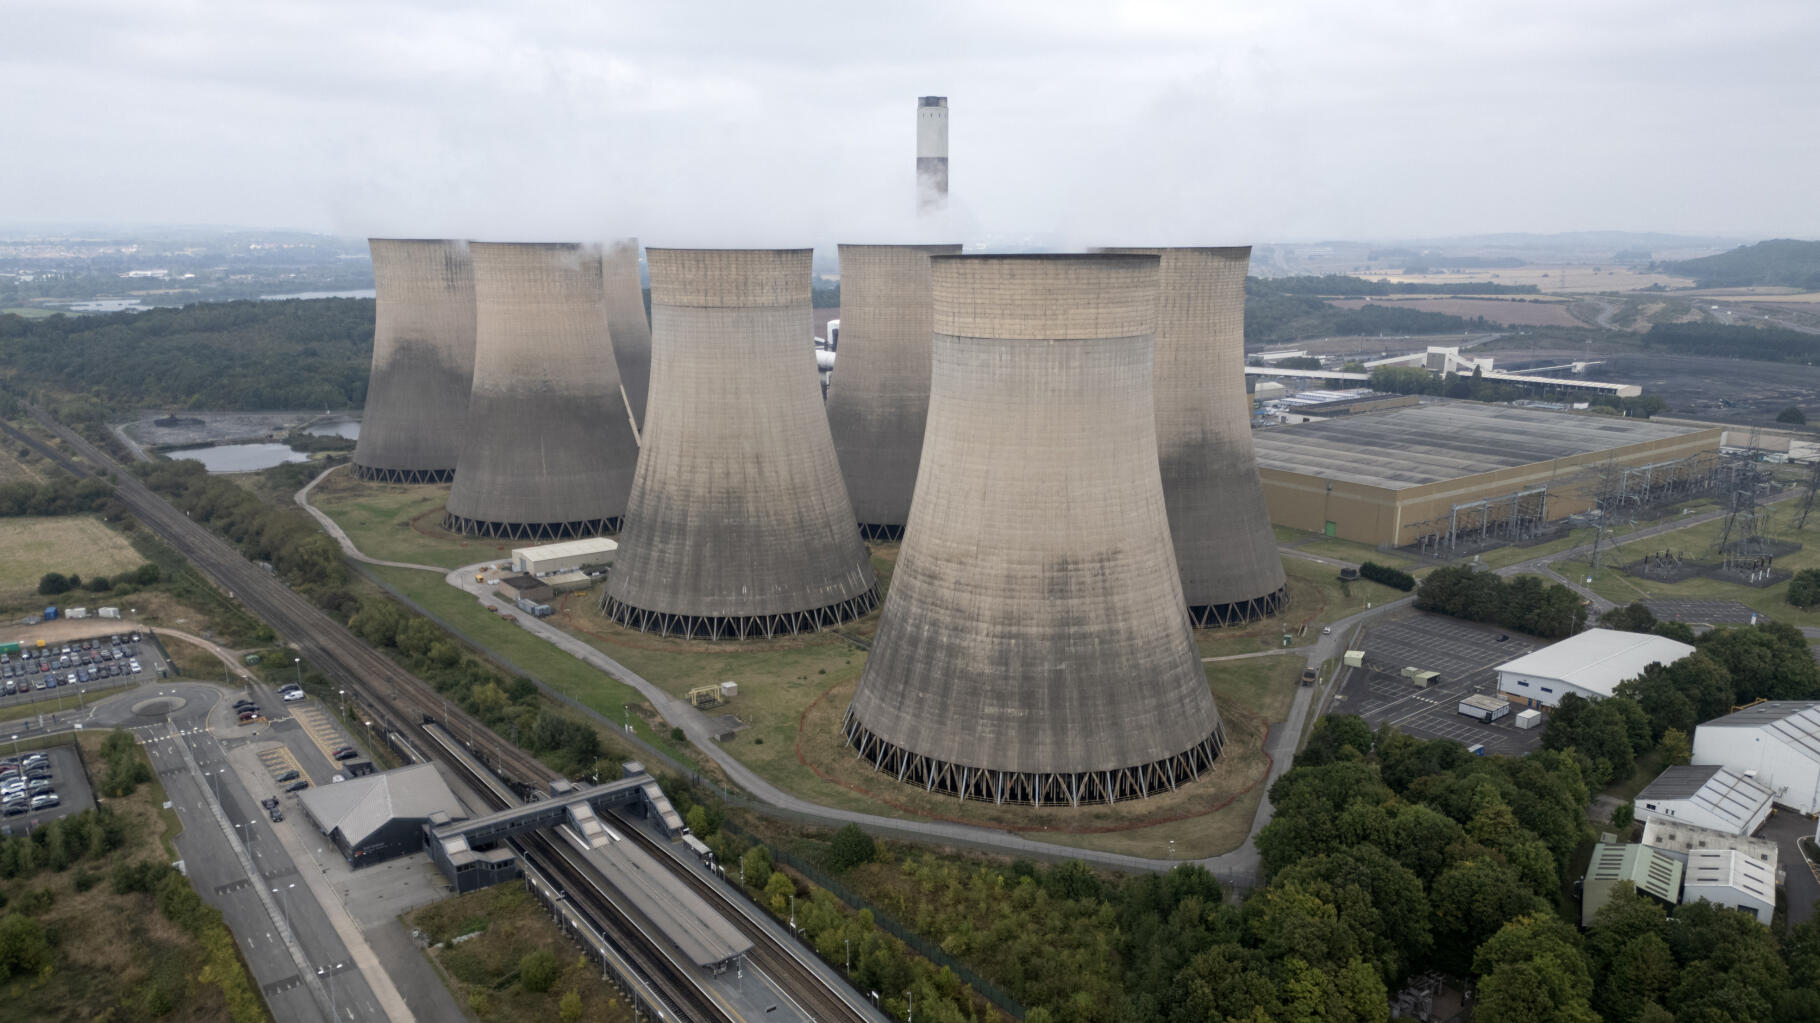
(1706,796)
(1589,665)
(1726,877)
(1777,743)
(1677,837)
(568,556)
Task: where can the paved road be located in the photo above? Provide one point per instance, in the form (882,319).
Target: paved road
(235,860)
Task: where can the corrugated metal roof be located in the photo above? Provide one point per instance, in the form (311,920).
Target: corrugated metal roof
(568,549)
(1793,723)
(1598,659)
(1653,871)
(1719,790)
(1428,443)
(360,806)
(1731,869)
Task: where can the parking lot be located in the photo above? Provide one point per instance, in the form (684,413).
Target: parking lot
(67,779)
(1466,656)
(1703,612)
(76,666)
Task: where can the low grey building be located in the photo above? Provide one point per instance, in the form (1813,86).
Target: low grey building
(380,816)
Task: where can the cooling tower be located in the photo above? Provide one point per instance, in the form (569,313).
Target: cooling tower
(878,399)
(548,451)
(738,524)
(423,361)
(627,324)
(1231,570)
(1036,647)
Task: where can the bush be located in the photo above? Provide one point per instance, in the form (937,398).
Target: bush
(1804,588)
(98,584)
(850,848)
(1792,415)
(678,735)
(53,583)
(537,970)
(1395,578)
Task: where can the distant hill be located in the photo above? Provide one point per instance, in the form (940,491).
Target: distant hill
(1781,262)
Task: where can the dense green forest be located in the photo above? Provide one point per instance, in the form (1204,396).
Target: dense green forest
(1348,286)
(1763,344)
(229,355)
(1780,262)
(1271,318)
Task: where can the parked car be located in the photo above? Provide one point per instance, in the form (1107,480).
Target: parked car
(277,814)
(294,696)
(287,776)
(45,801)
(269,802)
(297,786)
(346,754)
(248,717)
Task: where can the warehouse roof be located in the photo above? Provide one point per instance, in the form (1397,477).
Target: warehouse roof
(360,806)
(1793,722)
(568,549)
(1719,790)
(1730,869)
(1598,659)
(1411,447)
(1653,871)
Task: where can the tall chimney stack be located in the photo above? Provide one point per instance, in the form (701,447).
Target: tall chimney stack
(931,153)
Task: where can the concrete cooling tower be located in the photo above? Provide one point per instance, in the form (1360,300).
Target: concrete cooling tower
(548,451)
(738,524)
(423,361)
(1035,647)
(626,322)
(878,399)
(1231,570)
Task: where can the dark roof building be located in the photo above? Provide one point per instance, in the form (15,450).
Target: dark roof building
(380,816)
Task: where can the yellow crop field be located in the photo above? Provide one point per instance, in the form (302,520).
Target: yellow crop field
(30,547)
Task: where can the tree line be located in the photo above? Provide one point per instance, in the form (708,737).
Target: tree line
(1760,344)
(1523,603)
(227,355)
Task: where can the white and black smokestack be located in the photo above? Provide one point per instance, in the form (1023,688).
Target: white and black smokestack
(931,153)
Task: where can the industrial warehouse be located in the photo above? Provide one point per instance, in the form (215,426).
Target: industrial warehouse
(1441,472)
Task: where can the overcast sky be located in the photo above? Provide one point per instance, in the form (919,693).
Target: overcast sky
(762,122)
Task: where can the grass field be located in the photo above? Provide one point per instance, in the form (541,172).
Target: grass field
(18,468)
(393,522)
(1548,278)
(1334,547)
(507,924)
(1615,585)
(30,547)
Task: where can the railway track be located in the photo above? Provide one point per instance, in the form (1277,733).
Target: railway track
(398,700)
(677,988)
(785,964)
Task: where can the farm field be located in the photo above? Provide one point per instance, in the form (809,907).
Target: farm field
(1548,278)
(30,547)
(1542,312)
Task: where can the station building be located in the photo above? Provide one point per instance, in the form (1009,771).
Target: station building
(380,816)
(1389,478)
(1590,665)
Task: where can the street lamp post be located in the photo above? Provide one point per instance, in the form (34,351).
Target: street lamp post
(911,1018)
(849,943)
(298,662)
